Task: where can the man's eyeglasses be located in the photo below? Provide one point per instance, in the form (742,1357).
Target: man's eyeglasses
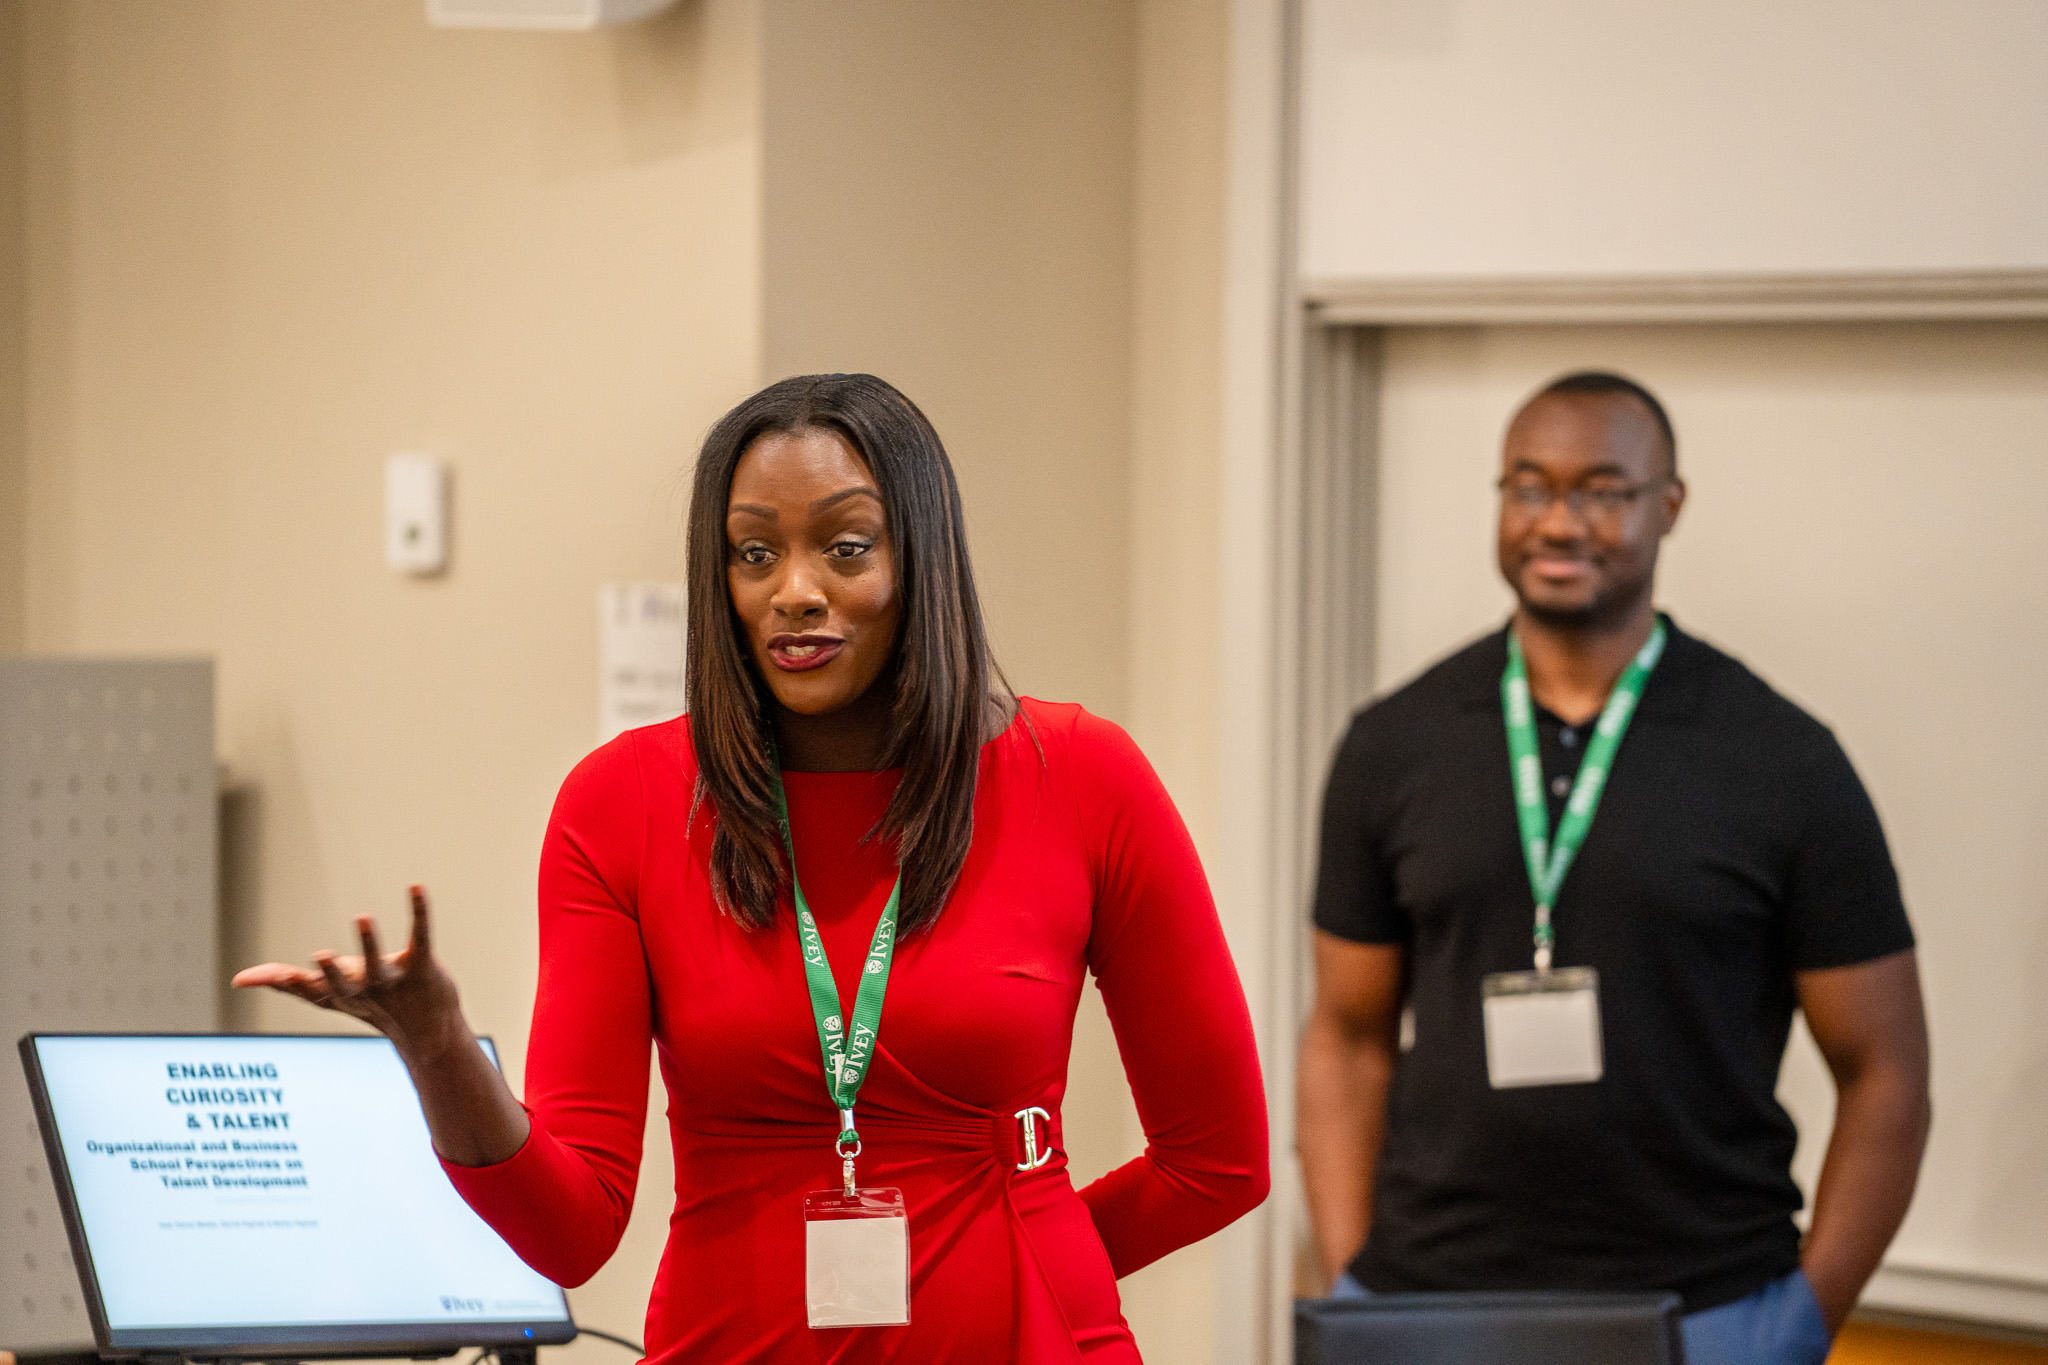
(1532,497)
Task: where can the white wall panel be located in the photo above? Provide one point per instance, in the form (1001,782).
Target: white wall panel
(1489,138)
(108,913)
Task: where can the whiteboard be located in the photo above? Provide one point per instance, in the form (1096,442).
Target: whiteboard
(1574,138)
(1864,530)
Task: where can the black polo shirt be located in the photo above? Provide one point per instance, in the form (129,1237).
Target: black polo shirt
(1733,847)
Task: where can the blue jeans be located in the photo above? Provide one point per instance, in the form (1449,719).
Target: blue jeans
(1780,1324)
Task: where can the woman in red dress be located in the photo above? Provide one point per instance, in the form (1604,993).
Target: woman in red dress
(1006,849)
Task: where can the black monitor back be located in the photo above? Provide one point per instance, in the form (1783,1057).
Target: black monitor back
(1489,1329)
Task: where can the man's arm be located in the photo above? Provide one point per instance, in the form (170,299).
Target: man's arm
(1872,1030)
(1346,1065)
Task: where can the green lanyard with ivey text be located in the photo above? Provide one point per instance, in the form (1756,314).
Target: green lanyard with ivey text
(846,1051)
(1548,862)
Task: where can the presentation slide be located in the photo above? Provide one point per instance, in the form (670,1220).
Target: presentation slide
(271,1182)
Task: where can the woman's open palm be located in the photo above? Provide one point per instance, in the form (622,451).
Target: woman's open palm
(407,995)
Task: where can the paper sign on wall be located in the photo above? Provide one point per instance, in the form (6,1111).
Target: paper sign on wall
(640,655)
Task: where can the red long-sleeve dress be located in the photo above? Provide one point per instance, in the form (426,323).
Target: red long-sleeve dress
(1079,863)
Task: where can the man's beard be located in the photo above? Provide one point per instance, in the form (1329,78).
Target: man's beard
(1605,609)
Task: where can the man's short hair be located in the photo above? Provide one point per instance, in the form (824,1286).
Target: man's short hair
(1606,381)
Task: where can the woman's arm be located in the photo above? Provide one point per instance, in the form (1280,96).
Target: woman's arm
(558,1185)
(563,1201)
(1174,999)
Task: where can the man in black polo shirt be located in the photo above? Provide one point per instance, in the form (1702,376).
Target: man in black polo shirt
(1601,952)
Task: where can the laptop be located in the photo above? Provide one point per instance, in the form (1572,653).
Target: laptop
(261,1197)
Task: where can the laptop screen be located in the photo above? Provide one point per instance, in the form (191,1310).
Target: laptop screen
(242,1192)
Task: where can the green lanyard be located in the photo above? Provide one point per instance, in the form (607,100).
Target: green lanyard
(846,1052)
(1548,863)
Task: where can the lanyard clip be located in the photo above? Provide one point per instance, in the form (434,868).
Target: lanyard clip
(839,1146)
(1030,1119)
(846,1136)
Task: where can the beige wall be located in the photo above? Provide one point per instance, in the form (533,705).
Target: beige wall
(13,325)
(1489,138)
(1177,393)
(947,204)
(271,244)
(1175,523)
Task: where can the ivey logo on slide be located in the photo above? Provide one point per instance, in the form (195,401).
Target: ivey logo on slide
(460,1306)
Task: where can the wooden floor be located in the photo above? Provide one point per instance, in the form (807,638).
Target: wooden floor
(1868,1344)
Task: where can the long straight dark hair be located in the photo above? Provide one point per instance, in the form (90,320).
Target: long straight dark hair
(941,670)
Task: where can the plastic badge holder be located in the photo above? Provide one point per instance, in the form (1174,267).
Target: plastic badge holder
(1542,1028)
(856,1258)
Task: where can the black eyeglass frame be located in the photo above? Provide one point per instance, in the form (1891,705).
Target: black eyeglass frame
(1533,496)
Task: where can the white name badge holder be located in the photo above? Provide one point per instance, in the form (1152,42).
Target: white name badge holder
(1543,1027)
(856,1254)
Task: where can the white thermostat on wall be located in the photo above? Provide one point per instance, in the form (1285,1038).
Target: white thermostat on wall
(415,514)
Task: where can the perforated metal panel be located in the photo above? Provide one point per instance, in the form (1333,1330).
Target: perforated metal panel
(108,912)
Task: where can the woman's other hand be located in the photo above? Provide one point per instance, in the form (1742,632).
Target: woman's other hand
(408,996)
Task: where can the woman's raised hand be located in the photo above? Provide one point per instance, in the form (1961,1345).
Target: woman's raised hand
(411,999)
(407,995)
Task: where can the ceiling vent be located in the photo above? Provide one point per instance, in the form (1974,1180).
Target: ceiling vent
(539,14)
